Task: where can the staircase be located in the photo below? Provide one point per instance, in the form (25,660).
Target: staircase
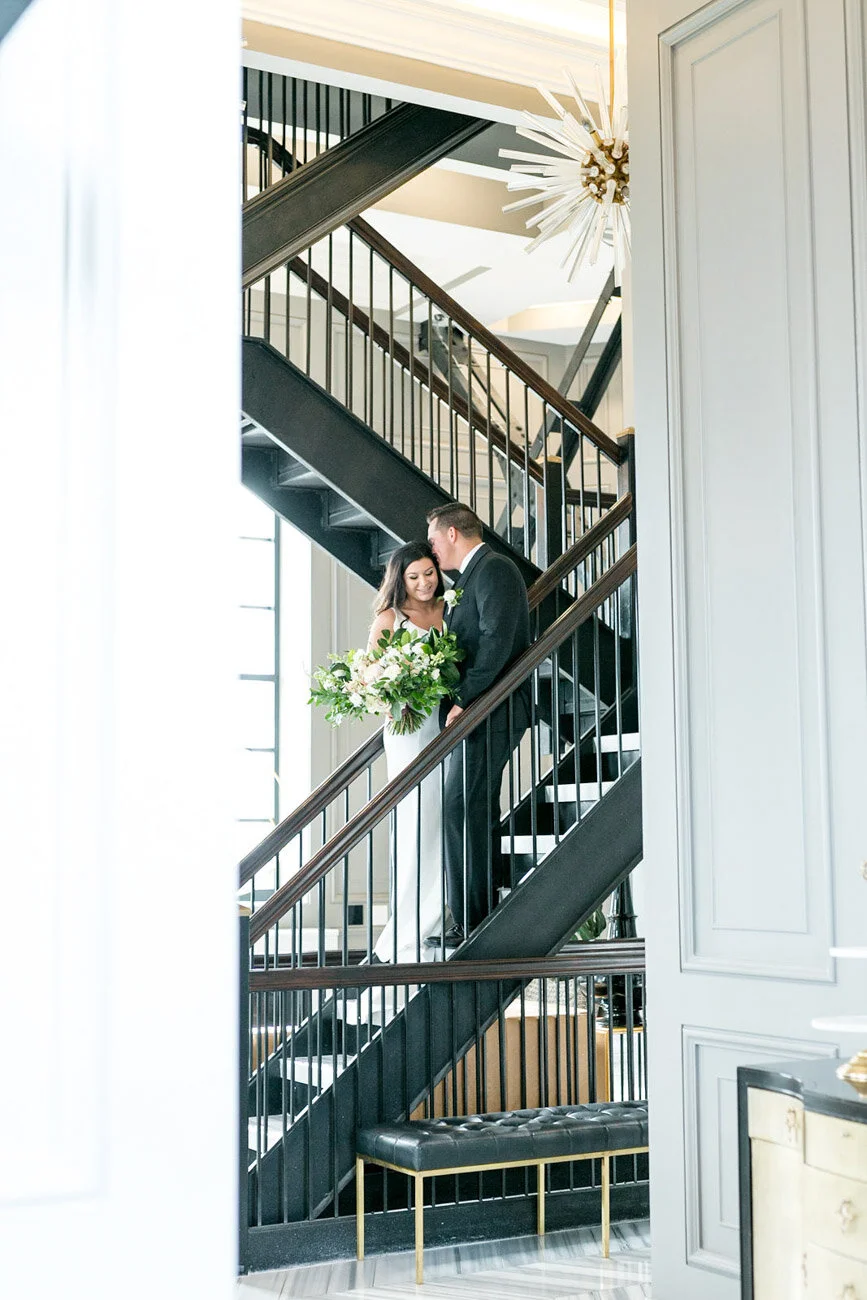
(390,402)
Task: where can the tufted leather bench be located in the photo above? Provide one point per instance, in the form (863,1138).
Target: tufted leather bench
(503,1140)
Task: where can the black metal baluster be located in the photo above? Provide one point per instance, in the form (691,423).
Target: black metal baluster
(412,449)
(369,379)
(309,339)
(528,483)
(489,432)
(471,428)
(454,435)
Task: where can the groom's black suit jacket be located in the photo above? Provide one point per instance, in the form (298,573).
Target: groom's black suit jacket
(491,623)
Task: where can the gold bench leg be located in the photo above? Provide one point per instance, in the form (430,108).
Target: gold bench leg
(359,1208)
(606,1205)
(419,1229)
(540,1203)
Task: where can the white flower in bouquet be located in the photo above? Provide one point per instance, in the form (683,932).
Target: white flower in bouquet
(403,677)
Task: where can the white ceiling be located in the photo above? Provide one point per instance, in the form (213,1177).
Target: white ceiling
(587,19)
(502,278)
(519,41)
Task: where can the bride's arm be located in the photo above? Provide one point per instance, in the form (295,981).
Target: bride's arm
(383,622)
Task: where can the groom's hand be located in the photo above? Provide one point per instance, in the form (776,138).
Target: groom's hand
(453,714)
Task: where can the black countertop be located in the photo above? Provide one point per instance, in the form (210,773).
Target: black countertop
(815,1082)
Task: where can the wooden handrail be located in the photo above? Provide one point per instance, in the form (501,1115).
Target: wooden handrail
(417,278)
(580,550)
(416,367)
(489,341)
(334,785)
(391,794)
(315,804)
(603,957)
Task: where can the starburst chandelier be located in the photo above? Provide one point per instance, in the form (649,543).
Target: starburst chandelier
(585,191)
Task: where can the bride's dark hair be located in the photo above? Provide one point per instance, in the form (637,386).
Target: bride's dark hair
(392,592)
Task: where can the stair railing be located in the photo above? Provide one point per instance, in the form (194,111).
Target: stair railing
(565,762)
(386,342)
(286,122)
(282,853)
(561,1030)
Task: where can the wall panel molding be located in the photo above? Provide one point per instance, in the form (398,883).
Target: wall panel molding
(746,519)
(710,1060)
(856,76)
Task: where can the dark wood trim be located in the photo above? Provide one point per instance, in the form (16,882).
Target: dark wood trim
(364,821)
(605,957)
(399,354)
(309,810)
(580,550)
(494,345)
(589,499)
(417,278)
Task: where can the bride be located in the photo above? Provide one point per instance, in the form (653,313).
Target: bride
(411,596)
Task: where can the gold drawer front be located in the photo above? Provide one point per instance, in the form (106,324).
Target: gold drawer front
(830,1276)
(774,1117)
(836,1145)
(835,1212)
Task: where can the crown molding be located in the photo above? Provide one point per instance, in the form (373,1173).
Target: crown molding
(468,40)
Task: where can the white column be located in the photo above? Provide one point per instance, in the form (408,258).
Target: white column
(118,468)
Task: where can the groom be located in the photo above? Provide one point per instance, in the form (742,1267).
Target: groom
(491,621)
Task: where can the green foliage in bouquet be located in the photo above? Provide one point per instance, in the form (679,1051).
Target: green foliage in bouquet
(403,678)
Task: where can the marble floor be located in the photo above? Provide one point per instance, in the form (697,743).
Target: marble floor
(559,1266)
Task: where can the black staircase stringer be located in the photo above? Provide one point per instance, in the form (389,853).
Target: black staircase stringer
(312,427)
(324,194)
(392,1074)
(306,510)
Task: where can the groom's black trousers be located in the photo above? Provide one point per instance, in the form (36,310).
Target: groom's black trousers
(471,813)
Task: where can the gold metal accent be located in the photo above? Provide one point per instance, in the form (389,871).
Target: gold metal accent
(792,1123)
(611,56)
(419,1229)
(503,1164)
(854,1071)
(418,1177)
(606,1205)
(359,1208)
(847,1214)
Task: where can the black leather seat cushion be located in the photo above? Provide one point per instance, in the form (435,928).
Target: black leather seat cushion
(507,1135)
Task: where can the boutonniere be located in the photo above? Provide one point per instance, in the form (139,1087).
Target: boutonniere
(452,597)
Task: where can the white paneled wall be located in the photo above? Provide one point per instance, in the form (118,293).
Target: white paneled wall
(751,581)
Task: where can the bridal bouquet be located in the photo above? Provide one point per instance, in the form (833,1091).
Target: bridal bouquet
(403,678)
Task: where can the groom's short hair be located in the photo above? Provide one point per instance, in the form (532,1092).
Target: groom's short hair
(464,520)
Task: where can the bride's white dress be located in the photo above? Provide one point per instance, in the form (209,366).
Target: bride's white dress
(416,877)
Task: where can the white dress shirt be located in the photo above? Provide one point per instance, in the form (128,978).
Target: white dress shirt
(469,555)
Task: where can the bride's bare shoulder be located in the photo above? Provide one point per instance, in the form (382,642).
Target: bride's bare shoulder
(382,623)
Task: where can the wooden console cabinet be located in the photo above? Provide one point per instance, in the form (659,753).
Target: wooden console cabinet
(803,1183)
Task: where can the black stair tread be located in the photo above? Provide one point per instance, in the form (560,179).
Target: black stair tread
(341,513)
(295,474)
